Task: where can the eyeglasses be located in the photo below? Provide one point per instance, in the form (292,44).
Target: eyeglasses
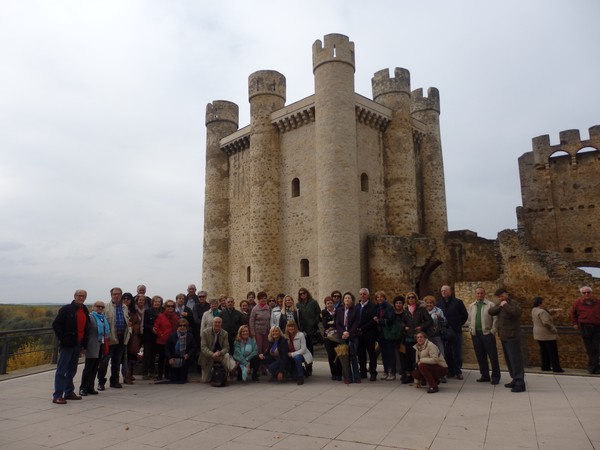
(336,296)
(302,293)
(99,306)
(170,306)
(586,292)
(411,296)
(182,325)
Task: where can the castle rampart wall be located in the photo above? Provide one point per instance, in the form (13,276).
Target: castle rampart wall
(561,196)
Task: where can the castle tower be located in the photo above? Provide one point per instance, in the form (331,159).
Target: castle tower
(402,215)
(222,119)
(266,92)
(430,165)
(336,165)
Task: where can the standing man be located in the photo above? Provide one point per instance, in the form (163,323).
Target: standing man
(191,297)
(585,314)
(456,315)
(367,331)
(231,321)
(71,328)
(483,328)
(509,328)
(141,292)
(117,317)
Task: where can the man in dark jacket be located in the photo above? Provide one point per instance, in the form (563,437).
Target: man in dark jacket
(509,329)
(367,335)
(71,329)
(232,320)
(456,314)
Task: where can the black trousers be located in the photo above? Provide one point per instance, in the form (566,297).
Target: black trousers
(367,346)
(549,355)
(485,347)
(591,339)
(514,360)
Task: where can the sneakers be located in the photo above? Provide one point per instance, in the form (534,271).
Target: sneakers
(432,390)
(83,392)
(391,377)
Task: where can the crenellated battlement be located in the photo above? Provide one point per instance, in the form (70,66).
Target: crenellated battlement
(337,48)
(569,142)
(222,111)
(420,103)
(383,84)
(269,82)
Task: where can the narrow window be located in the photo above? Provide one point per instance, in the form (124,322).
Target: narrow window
(304,268)
(248,273)
(295,187)
(364,182)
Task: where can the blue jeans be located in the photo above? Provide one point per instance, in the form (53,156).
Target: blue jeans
(297,369)
(66,368)
(388,355)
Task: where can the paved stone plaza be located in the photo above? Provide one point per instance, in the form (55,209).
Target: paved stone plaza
(557,412)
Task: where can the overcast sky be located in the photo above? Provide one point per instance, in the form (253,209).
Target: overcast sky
(102,107)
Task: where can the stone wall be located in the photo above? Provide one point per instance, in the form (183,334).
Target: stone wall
(560,188)
(528,273)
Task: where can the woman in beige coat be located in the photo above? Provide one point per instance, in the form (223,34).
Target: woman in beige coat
(545,333)
(431,365)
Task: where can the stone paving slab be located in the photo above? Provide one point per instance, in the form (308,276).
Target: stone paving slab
(556,412)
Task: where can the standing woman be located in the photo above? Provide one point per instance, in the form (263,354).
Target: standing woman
(416,319)
(331,339)
(260,321)
(346,324)
(149,337)
(166,323)
(545,333)
(396,333)
(298,351)
(289,312)
(311,314)
(209,316)
(97,347)
(384,316)
(245,310)
(136,320)
(276,311)
(439,320)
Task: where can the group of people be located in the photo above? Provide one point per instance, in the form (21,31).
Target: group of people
(419,340)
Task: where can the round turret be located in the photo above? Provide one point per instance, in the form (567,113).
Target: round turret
(337,48)
(266,82)
(222,111)
(392,92)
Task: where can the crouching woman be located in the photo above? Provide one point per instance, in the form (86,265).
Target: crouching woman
(431,365)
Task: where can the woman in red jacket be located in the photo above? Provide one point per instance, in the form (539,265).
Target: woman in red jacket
(165,324)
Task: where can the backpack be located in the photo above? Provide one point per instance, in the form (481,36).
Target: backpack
(218,376)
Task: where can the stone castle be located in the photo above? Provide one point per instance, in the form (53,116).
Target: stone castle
(338,191)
